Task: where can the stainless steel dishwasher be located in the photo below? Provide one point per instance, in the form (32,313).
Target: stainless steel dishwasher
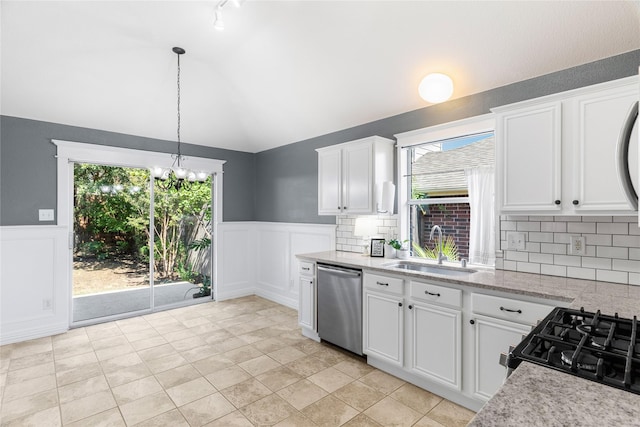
(340,306)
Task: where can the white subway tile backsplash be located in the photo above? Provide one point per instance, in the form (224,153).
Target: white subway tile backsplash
(386,227)
(597,219)
(563,238)
(612,276)
(554,227)
(568,260)
(517,256)
(541,258)
(528,226)
(581,273)
(592,262)
(599,239)
(540,237)
(581,227)
(612,252)
(613,228)
(527,267)
(626,265)
(553,248)
(553,270)
(628,241)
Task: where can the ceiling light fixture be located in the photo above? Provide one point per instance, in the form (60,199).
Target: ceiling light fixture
(218,24)
(436,88)
(177,176)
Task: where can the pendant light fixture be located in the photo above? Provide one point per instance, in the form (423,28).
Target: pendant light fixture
(177,176)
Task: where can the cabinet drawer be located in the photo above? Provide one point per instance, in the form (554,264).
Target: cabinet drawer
(306,268)
(384,283)
(436,294)
(509,309)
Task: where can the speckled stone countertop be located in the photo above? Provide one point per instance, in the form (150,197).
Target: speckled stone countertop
(535,395)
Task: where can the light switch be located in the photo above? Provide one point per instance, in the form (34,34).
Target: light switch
(46,214)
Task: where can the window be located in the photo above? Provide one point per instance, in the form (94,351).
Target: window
(449,182)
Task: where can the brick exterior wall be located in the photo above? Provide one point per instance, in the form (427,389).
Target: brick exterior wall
(454,219)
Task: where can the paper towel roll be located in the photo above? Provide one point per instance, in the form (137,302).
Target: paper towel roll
(387,197)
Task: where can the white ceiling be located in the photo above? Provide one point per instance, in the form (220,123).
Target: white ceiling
(282,71)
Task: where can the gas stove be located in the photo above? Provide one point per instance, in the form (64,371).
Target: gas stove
(600,348)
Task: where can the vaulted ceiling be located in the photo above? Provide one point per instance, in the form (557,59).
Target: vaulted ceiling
(281,71)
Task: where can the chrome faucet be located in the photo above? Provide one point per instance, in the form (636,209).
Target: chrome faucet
(441,256)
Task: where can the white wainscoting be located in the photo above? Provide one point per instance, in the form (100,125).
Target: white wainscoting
(254,258)
(259,258)
(34,283)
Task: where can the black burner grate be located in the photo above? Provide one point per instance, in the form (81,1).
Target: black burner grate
(601,348)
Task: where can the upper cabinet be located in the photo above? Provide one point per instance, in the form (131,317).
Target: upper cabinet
(350,173)
(558,154)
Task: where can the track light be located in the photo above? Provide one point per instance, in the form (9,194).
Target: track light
(218,24)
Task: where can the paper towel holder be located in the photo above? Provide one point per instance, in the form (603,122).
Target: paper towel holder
(385,197)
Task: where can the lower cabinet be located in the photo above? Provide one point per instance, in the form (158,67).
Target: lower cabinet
(383,327)
(435,343)
(414,329)
(306,312)
(492,337)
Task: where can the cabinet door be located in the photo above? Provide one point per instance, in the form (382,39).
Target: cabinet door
(383,327)
(436,343)
(600,119)
(306,311)
(329,182)
(529,159)
(358,180)
(492,337)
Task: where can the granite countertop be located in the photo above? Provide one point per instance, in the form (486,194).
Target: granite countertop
(535,395)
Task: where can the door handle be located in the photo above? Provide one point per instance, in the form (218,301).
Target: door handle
(510,310)
(623,156)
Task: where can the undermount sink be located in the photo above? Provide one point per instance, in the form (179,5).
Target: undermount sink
(435,269)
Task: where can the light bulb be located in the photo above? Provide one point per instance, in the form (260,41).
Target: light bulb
(436,88)
(191,176)
(105,188)
(181,173)
(165,174)
(201,176)
(156,171)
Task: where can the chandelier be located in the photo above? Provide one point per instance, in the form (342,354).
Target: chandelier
(177,176)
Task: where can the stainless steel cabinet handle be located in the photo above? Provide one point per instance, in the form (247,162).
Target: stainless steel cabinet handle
(623,156)
(431,293)
(306,268)
(510,310)
(382,284)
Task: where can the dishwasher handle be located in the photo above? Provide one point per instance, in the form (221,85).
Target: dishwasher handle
(338,270)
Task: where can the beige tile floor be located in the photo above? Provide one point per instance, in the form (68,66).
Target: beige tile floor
(235,363)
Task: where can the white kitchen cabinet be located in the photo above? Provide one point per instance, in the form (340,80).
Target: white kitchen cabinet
(349,173)
(492,337)
(530,154)
(498,323)
(558,154)
(307,300)
(436,343)
(383,327)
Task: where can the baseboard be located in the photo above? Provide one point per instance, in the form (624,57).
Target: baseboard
(33,333)
(235,293)
(280,299)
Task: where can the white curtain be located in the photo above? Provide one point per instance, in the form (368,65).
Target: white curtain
(482,243)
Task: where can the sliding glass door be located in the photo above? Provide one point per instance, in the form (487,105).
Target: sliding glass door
(139,244)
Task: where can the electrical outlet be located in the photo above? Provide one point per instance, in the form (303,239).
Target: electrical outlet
(46,214)
(577,246)
(516,240)
(46,303)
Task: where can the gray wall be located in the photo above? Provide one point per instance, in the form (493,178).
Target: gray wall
(278,185)
(28,167)
(287,176)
